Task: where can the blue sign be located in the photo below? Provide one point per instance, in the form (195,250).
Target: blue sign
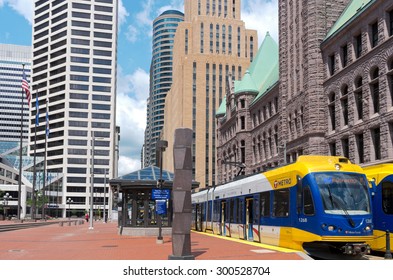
(161,207)
(160,194)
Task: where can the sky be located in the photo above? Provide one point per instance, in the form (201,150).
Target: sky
(134,56)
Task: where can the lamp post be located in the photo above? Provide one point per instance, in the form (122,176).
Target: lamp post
(92,180)
(93,139)
(161,145)
(6,198)
(104,216)
(69,201)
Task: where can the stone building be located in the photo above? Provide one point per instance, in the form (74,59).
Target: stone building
(248,118)
(210,44)
(358,78)
(335,92)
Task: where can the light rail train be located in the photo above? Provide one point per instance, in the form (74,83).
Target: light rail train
(320,205)
(381,178)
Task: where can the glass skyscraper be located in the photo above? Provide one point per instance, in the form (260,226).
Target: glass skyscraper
(164,29)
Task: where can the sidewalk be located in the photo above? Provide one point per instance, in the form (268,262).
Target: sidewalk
(103,243)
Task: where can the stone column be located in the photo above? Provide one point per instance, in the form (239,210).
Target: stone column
(181,193)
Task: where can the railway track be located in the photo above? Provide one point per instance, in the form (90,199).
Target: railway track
(26,225)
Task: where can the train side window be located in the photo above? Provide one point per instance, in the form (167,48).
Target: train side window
(265,204)
(281,203)
(231,210)
(387,197)
(308,203)
(240,211)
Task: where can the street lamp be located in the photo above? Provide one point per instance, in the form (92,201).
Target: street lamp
(104,216)
(93,139)
(6,197)
(161,145)
(69,201)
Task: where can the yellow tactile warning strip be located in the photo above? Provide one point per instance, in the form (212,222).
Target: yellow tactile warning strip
(265,246)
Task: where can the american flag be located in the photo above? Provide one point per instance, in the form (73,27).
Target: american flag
(25,87)
(47,124)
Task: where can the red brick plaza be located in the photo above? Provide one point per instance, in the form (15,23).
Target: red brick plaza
(77,242)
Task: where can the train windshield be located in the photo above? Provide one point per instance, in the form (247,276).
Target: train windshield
(343,193)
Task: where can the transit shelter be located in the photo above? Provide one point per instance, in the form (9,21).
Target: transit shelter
(143,201)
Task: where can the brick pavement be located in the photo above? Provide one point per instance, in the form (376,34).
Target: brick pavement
(53,242)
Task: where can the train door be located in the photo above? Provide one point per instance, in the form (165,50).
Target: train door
(256,216)
(223,216)
(249,218)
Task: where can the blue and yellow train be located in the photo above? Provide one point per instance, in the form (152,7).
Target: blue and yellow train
(319,204)
(381,178)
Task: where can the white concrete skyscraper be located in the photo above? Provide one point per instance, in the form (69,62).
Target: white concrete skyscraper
(74,75)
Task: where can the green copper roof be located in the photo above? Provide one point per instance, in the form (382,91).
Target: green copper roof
(355,8)
(262,74)
(265,67)
(222,109)
(246,84)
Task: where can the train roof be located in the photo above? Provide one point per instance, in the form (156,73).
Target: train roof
(378,172)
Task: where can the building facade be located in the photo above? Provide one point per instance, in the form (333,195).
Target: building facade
(335,90)
(249,117)
(164,29)
(210,45)
(12,59)
(74,76)
(358,60)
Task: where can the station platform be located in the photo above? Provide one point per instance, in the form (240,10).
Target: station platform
(78,242)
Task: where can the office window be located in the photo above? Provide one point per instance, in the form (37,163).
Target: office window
(360,147)
(344,104)
(359,97)
(374,88)
(376,137)
(332,64)
(202,35)
(332,111)
(374,34)
(333,149)
(344,53)
(358,45)
(345,147)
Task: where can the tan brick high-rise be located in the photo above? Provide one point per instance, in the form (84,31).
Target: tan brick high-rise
(211,44)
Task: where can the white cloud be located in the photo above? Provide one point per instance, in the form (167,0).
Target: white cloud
(23,7)
(122,14)
(261,15)
(132,92)
(174,5)
(127,165)
(132,33)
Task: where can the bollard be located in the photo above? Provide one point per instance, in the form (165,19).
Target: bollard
(388,254)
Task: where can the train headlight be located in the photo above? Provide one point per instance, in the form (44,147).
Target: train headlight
(367,228)
(330,228)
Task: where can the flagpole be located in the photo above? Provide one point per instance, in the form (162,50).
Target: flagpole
(35,145)
(20,154)
(44,179)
